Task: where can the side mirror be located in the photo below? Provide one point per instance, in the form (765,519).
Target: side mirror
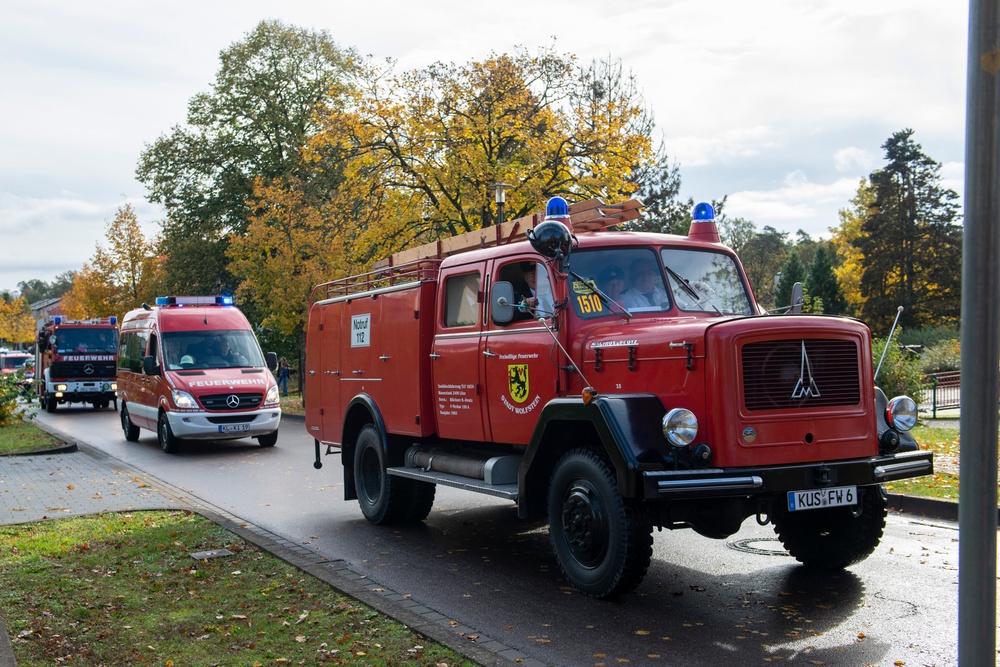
(502,302)
(43,342)
(149,366)
(272,361)
(797,299)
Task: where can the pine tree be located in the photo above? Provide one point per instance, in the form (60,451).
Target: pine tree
(822,282)
(792,271)
(911,241)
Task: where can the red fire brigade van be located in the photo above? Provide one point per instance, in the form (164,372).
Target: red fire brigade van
(190,368)
(613,382)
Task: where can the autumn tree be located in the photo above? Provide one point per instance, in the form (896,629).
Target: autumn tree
(844,241)
(17,326)
(434,141)
(119,276)
(911,241)
(762,257)
(252,124)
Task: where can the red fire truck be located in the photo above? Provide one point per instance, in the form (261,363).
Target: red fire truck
(524,370)
(75,362)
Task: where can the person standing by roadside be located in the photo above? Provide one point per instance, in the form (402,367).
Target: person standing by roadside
(284,372)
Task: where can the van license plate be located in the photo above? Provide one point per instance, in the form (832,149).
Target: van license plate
(815,499)
(236,428)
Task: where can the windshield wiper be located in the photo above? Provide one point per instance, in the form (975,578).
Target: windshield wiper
(691,290)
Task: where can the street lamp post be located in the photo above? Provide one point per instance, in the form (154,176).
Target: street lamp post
(501,197)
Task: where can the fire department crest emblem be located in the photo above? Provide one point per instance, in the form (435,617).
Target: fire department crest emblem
(517,382)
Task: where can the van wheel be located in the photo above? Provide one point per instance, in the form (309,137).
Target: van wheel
(130,430)
(268,440)
(383,498)
(168,442)
(603,543)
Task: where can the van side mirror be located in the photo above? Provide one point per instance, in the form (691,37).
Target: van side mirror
(502,302)
(272,361)
(149,366)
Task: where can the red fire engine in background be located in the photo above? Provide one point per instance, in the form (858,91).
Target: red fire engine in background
(524,370)
(75,362)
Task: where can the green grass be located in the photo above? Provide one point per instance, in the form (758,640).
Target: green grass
(123,589)
(19,437)
(944,442)
(292,404)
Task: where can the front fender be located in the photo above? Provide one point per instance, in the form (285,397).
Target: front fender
(626,428)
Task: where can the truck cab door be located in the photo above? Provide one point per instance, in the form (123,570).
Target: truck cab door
(456,354)
(520,357)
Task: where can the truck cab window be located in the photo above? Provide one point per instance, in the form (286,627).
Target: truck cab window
(462,300)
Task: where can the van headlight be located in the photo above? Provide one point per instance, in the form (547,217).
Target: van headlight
(272,395)
(183,400)
(680,427)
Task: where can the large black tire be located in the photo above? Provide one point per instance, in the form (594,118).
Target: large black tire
(130,430)
(422,499)
(169,443)
(834,538)
(50,403)
(603,543)
(269,440)
(384,499)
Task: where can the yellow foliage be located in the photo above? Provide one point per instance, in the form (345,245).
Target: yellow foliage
(851,222)
(16,323)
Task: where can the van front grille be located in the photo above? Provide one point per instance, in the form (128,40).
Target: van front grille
(232,401)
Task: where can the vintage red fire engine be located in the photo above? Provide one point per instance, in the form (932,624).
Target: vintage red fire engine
(75,362)
(610,381)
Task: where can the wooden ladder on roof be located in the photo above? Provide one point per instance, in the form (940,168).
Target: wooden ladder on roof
(587,216)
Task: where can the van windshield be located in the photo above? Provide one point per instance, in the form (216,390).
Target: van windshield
(210,349)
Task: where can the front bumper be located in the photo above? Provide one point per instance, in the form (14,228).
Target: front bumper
(719,482)
(82,392)
(216,426)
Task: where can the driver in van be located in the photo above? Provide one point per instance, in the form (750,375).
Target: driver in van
(223,350)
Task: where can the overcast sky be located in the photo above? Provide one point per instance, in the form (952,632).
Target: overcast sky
(780,104)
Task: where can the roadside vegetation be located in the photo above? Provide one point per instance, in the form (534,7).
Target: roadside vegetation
(123,589)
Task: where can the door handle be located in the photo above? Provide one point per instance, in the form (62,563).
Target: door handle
(489,354)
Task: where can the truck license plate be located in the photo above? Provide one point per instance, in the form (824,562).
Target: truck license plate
(236,428)
(818,498)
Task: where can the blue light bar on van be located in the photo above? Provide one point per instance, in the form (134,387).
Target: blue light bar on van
(194,301)
(113,319)
(57,319)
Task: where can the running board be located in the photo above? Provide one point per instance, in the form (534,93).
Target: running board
(508,491)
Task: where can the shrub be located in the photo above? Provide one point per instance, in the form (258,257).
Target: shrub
(944,356)
(9,392)
(899,374)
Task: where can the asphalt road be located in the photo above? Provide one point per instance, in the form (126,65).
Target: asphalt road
(704,602)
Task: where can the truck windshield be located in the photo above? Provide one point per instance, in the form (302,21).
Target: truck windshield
(638,280)
(88,340)
(711,281)
(210,349)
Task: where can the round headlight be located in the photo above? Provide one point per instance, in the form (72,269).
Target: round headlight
(680,427)
(901,413)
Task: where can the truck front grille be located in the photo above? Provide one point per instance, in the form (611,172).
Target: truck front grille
(81,370)
(232,401)
(800,373)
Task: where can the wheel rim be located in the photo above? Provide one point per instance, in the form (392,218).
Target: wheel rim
(371,475)
(125,422)
(164,432)
(585,523)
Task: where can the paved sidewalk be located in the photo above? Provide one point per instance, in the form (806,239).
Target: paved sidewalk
(88,481)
